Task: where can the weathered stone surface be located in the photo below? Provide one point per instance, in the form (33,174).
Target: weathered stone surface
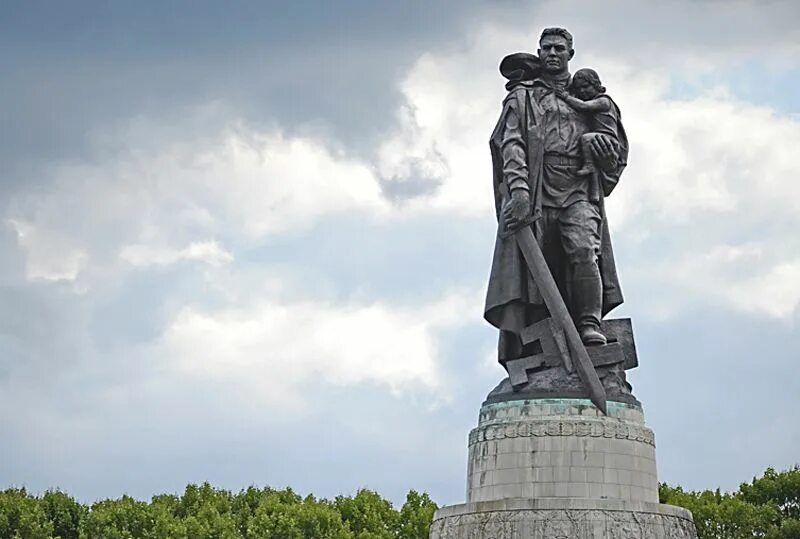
(553,518)
(561,448)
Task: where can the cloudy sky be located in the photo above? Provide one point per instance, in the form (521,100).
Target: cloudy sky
(247,242)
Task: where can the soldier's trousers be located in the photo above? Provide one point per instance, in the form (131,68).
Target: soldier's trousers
(570,241)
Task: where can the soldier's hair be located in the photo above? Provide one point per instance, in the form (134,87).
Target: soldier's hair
(556,31)
(591,76)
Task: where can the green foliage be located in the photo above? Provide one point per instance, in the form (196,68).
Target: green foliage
(124,518)
(780,490)
(767,507)
(416,516)
(283,515)
(718,515)
(64,513)
(368,515)
(22,516)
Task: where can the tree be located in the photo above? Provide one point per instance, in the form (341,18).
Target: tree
(207,513)
(768,507)
(780,490)
(124,518)
(368,515)
(281,515)
(64,513)
(22,516)
(416,516)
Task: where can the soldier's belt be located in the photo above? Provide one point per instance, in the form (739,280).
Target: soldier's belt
(564,160)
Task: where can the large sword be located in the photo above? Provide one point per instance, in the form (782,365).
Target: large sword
(558,310)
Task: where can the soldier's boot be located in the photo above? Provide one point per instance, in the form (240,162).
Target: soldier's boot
(587,298)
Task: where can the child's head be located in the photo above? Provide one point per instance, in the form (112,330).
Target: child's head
(586,84)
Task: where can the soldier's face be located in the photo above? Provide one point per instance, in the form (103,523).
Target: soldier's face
(555,54)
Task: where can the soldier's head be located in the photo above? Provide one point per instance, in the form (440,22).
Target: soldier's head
(555,50)
(586,84)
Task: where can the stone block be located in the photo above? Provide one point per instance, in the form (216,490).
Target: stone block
(578,458)
(512,490)
(594,475)
(620,462)
(544,490)
(506,476)
(541,458)
(621,447)
(611,491)
(486,478)
(610,476)
(504,460)
(560,459)
(595,460)
(543,475)
(578,490)
(578,475)
(624,477)
(561,474)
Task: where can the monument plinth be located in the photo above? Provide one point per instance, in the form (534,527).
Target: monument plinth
(554,468)
(561,449)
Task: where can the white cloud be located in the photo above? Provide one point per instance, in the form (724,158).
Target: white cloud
(276,350)
(270,184)
(50,255)
(158,204)
(775,292)
(712,155)
(452,102)
(208,252)
(748,277)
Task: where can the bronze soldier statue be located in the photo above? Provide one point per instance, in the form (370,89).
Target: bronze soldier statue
(540,181)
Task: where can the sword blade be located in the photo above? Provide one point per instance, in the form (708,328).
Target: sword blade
(558,310)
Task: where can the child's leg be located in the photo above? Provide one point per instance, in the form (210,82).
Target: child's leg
(586,151)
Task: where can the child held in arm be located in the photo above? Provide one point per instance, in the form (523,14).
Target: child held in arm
(589,96)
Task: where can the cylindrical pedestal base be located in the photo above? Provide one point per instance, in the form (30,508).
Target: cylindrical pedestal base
(562,518)
(558,468)
(562,448)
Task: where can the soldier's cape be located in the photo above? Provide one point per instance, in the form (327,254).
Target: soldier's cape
(609,181)
(512,296)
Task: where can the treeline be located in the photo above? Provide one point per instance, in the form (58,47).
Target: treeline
(768,507)
(203,512)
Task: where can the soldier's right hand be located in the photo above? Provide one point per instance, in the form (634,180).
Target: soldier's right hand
(517,209)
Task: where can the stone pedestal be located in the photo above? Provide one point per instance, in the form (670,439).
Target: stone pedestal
(562,518)
(554,468)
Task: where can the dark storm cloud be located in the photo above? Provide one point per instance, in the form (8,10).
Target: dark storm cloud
(322,67)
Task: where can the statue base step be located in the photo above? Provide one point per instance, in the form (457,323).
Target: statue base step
(562,518)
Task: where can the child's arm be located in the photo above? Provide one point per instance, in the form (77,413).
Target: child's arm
(593,105)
